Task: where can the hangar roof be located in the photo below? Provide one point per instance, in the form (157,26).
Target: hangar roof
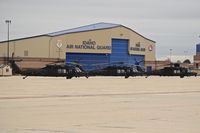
(96,26)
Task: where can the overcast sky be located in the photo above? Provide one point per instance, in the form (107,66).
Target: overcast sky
(173,24)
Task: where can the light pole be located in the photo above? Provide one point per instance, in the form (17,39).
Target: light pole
(170,55)
(8,22)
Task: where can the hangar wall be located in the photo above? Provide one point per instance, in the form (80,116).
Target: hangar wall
(104,38)
(119,54)
(28,47)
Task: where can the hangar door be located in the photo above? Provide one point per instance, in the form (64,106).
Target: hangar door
(87,60)
(120,53)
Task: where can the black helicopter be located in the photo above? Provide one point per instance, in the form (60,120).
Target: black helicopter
(174,69)
(68,70)
(117,69)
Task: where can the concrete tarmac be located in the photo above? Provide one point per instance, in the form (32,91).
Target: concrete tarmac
(100,105)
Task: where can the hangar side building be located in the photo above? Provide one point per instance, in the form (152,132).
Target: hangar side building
(91,44)
(197,57)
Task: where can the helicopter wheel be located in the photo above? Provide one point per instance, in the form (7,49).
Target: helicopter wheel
(68,77)
(25,77)
(126,76)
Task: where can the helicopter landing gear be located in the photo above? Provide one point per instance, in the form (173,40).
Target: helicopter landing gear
(25,77)
(68,77)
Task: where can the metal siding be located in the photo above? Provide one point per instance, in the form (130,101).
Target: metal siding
(198,48)
(87,60)
(133,59)
(120,53)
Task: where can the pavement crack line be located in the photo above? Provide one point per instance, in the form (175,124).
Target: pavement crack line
(97,95)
